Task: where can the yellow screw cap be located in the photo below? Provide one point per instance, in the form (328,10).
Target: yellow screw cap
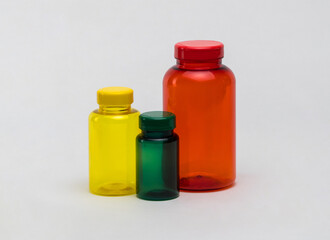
(115,96)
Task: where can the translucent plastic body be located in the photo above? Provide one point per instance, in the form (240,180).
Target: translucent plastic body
(157,166)
(202,96)
(112,134)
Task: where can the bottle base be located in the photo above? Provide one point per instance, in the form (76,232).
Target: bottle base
(158,195)
(204,183)
(113,189)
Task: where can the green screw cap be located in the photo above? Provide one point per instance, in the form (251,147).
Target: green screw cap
(157,121)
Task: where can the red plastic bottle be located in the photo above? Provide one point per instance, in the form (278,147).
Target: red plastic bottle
(200,91)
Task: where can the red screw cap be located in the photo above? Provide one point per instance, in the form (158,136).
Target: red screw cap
(198,50)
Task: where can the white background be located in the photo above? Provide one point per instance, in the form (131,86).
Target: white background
(54,55)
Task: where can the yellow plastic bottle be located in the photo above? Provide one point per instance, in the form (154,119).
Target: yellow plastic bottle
(112,132)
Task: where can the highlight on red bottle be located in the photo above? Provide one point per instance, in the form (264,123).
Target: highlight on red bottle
(200,91)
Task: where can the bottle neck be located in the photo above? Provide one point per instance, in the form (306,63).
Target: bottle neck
(157,134)
(114,109)
(198,64)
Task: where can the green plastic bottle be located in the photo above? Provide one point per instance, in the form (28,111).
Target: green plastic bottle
(157,157)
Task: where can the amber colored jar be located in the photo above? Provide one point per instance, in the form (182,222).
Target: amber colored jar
(200,91)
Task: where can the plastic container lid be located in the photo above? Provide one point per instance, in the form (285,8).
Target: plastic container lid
(157,121)
(115,96)
(198,50)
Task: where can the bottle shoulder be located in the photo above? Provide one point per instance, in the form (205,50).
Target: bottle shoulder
(176,69)
(175,75)
(173,138)
(95,115)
